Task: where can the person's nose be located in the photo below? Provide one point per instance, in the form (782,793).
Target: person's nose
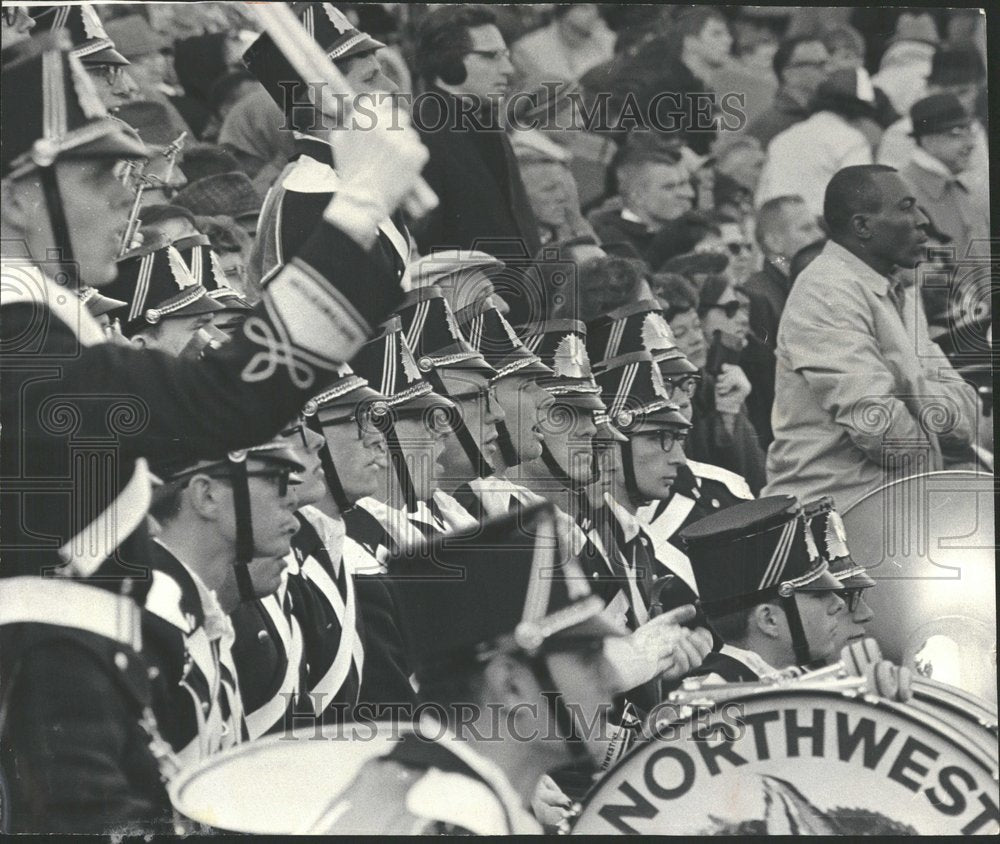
(863,613)
(494,412)
(921,219)
(676,456)
(314,441)
(836,604)
(292,498)
(506,67)
(177,178)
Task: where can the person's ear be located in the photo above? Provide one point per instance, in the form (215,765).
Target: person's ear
(509,682)
(21,205)
(766,619)
(138,340)
(861,226)
(203,493)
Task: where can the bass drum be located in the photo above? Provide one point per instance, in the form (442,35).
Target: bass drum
(280,784)
(975,717)
(799,762)
(929,543)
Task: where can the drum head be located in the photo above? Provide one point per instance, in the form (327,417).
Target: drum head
(973,716)
(799,761)
(280,784)
(928,541)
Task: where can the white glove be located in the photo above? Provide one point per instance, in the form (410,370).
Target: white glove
(731,389)
(675,650)
(549,804)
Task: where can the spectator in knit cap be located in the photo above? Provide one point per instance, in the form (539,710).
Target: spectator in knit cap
(228,194)
(203,160)
(799,64)
(841,131)
(906,63)
(937,172)
(252,133)
(954,70)
(655,189)
(608,283)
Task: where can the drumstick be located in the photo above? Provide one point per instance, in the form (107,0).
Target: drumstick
(313,65)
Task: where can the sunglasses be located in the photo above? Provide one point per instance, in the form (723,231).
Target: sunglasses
(687,384)
(730,309)
(851,597)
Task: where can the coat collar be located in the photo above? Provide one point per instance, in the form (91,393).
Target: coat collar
(750,659)
(935,177)
(879,283)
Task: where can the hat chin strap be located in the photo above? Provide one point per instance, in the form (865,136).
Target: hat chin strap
(631,485)
(329,469)
(57,214)
(398,461)
(465,439)
(800,644)
(506,445)
(244,528)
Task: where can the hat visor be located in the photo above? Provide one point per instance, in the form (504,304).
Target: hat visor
(202,305)
(101,305)
(343,408)
(851,575)
(111,143)
(418,404)
(366,44)
(473,363)
(582,401)
(230,300)
(608,433)
(826,582)
(106,55)
(674,366)
(532,368)
(658,420)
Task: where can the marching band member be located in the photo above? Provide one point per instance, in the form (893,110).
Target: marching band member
(205,512)
(79,741)
(766,591)
(306,186)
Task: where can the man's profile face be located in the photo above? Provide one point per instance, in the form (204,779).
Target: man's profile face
(365,76)
(480,412)
(820,614)
(800,229)
(952,148)
(487,64)
(360,457)
(851,625)
(806,68)
(523,403)
(714,42)
(665,191)
(569,434)
(897,232)
(172,334)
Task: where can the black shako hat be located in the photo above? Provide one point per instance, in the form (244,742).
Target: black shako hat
(91,43)
(331,29)
(496,340)
(206,268)
(754,552)
(637,399)
(498,588)
(59,112)
(830,536)
(157,284)
(638,327)
(561,344)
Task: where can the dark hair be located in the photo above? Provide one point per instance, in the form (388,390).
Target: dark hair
(443,41)
(676,292)
(166,503)
(692,21)
(852,190)
(732,626)
(223,87)
(711,290)
(607,283)
(680,236)
(202,160)
(804,257)
(153,214)
(839,36)
(783,55)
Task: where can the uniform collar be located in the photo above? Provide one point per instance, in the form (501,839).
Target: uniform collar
(315,148)
(751,660)
(216,623)
(632,217)
(936,175)
(630,524)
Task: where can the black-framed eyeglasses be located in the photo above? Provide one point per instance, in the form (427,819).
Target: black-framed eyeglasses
(851,597)
(687,384)
(483,394)
(492,55)
(299,430)
(281,477)
(112,73)
(730,309)
(667,439)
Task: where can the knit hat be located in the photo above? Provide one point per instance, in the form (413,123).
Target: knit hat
(231,194)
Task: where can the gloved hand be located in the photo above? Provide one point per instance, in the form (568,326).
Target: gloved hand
(674,649)
(731,389)
(379,159)
(891,681)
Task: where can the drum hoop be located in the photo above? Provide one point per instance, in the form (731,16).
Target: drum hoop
(965,704)
(926,719)
(952,473)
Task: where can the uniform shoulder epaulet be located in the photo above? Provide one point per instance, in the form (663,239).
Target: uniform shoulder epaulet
(311,176)
(736,484)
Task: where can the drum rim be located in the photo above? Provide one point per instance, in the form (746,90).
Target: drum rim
(939,473)
(934,723)
(953,698)
(185,777)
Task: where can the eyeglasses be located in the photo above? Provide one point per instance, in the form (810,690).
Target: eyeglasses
(668,439)
(492,55)
(280,477)
(483,394)
(730,309)
(851,597)
(687,384)
(112,73)
(298,430)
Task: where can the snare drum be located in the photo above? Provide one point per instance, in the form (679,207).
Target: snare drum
(280,784)
(800,761)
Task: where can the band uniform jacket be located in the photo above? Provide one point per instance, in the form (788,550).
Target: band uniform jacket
(296,201)
(76,751)
(429,783)
(188,642)
(731,664)
(79,417)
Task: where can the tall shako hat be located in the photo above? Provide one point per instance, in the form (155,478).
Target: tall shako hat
(60,117)
(388,365)
(347,399)
(637,400)
(830,536)
(91,43)
(331,29)
(432,332)
(206,268)
(632,388)
(638,327)
(505,587)
(493,337)
(157,284)
(235,466)
(754,552)
(561,344)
